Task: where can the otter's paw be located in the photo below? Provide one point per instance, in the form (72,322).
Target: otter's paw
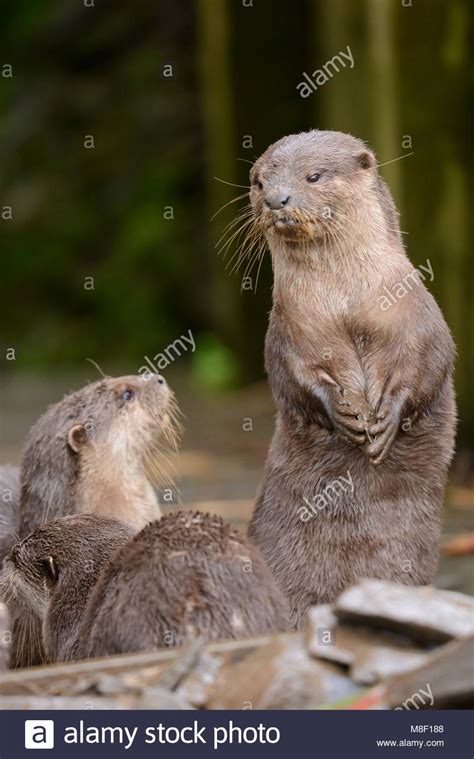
(348,418)
(383,432)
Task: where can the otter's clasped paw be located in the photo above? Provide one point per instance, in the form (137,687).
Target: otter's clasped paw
(383,432)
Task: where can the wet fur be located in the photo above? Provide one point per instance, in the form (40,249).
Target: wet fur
(328,340)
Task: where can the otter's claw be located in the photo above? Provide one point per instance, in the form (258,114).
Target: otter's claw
(384,431)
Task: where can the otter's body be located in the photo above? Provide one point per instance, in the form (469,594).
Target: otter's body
(188,575)
(96,451)
(362,382)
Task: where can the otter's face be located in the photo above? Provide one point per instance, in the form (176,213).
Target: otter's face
(305,186)
(69,550)
(124,417)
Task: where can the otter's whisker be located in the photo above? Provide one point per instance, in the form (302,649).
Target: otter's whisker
(234,200)
(252,239)
(262,256)
(101,372)
(225,247)
(243,214)
(400,158)
(253,260)
(249,239)
(232,184)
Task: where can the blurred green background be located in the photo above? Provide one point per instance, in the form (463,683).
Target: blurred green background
(133,212)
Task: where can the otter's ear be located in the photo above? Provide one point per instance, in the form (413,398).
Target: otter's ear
(77,437)
(50,570)
(365,159)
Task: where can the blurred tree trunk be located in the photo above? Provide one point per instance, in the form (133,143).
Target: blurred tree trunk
(453,218)
(386,97)
(344,102)
(218,116)
(362,100)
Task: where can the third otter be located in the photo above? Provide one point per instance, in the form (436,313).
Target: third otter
(360,365)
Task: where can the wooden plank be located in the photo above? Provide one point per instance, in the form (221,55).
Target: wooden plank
(135,670)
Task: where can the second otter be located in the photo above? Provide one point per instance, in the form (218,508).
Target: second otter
(364,435)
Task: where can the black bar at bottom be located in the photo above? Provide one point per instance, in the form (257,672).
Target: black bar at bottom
(282,735)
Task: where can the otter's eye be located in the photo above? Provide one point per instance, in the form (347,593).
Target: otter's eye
(257,183)
(127,395)
(313,178)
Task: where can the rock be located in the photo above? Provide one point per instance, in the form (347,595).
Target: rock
(198,686)
(369,655)
(423,613)
(322,637)
(280,675)
(158,698)
(445,680)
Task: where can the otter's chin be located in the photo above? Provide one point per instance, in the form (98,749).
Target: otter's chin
(292,230)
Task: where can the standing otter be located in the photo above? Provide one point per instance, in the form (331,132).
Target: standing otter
(96,451)
(357,468)
(99,591)
(51,573)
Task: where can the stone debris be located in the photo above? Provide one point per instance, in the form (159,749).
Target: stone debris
(448,674)
(281,675)
(369,655)
(380,646)
(425,613)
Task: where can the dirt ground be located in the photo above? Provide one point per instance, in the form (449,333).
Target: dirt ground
(222,455)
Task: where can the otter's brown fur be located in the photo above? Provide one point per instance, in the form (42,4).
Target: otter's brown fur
(9,500)
(91,451)
(50,574)
(363,392)
(99,590)
(188,575)
(98,450)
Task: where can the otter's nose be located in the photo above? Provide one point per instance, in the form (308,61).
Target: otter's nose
(160,379)
(277,200)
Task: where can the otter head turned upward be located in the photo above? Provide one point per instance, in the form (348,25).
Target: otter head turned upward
(99,450)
